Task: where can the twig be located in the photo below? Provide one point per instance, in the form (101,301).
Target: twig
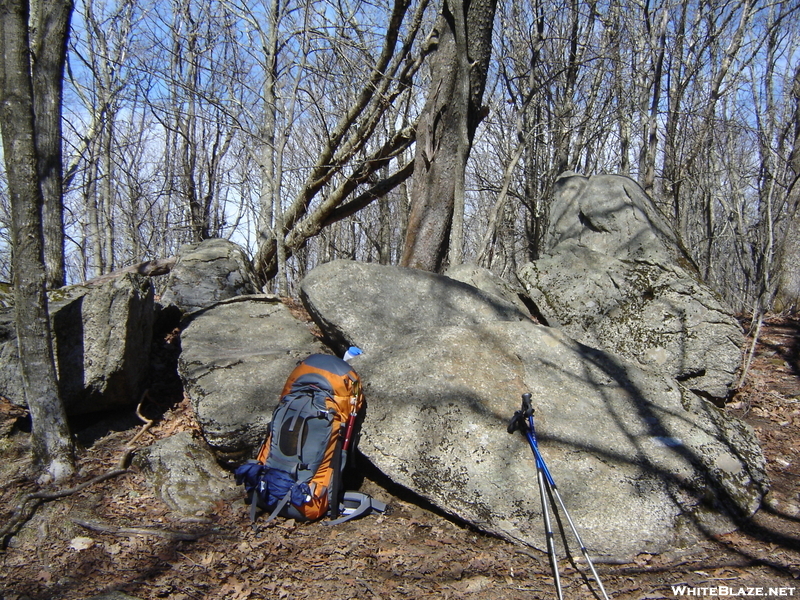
(530,553)
(752,351)
(131,446)
(42,495)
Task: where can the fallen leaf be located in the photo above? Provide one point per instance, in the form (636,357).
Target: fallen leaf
(44,576)
(81,543)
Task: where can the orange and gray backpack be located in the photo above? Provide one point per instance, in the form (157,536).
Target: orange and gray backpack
(297,473)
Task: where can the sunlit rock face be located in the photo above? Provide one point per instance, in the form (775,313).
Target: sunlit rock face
(641,462)
(614,276)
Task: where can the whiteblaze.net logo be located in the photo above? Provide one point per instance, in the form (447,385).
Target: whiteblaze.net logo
(730,591)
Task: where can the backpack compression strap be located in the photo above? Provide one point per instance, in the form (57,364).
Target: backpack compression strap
(278,507)
(284,501)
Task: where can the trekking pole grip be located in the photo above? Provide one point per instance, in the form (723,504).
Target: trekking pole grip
(527,408)
(518,421)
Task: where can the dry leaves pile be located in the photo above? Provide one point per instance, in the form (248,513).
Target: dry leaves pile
(135,545)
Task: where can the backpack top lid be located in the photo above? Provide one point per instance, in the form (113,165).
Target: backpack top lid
(328,362)
(327,372)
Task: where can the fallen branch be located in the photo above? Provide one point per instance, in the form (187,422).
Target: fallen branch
(149,268)
(30,502)
(115,530)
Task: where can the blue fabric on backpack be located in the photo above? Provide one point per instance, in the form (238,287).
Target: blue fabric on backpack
(249,474)
(271,484)
(276,484)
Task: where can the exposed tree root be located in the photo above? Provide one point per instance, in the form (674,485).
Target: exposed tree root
(28,504)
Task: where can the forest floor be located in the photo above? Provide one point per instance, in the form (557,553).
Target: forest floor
(412,552)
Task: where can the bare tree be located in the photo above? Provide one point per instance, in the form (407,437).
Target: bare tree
(651,104)
(350,156)
(99,77)
(298,128)
(53,447)
(49,30)
(452,112)
(554,69)
(789,273)
(778,161)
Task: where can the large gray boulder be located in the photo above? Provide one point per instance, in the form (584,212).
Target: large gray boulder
(371,314)
(614,276)
(485,280)
(207,272)
(102,340)
(639,462)
(236,356)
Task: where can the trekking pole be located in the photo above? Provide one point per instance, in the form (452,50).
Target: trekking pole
(551,547)
(523,419)
(519,421)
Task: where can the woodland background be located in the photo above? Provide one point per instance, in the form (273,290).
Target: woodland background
(292,124)
(295,128)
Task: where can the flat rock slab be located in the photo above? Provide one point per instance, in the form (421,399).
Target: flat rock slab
(236,356)
(640,463)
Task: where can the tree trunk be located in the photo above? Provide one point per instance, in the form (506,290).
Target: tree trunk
(52,442)
(789,286)
(49,30)
(675,90)
(390,76)
(270,189)
(447,127)
(647,155)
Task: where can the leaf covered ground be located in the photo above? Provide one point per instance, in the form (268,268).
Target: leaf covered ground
(116,536)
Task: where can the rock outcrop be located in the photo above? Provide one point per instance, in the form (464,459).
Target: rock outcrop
(446,360)
(444,367)
(614,276)
(102,344)
(235,359)
(485,280)
(207,272)
(184,474)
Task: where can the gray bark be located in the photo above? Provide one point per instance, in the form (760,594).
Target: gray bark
(52,442)
(447,127)
(49,28)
